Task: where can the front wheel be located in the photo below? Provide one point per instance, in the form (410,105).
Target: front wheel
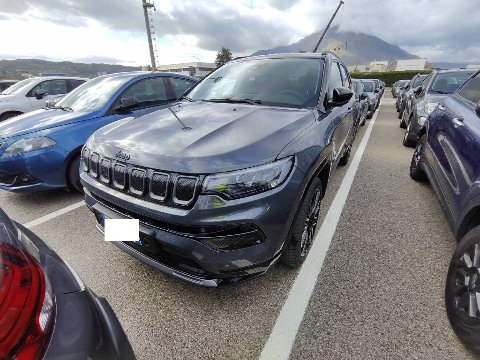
(462,290)
(416,171)
(302,232)
(407,141)
(74,175)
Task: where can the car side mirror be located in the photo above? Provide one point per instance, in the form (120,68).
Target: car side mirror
(125,104)
(418,90)
(340,97)
(40,94)
(477,109)
(363,96)
(377,91)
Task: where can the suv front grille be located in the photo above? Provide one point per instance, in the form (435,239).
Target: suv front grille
(152,185)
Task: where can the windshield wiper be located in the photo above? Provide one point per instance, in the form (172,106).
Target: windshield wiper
(439,91)
(186,98)
(64,108)
(237,101)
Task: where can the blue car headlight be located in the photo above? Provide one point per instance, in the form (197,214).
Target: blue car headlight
(249,181)
(23,146)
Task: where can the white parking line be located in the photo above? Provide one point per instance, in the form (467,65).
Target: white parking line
(282,338)
(54,214)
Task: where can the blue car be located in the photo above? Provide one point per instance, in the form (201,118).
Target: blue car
(448,154)
(40,150)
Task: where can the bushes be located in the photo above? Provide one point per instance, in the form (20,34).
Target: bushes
(389,77)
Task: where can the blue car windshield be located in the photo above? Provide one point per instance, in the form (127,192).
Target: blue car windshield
(18,87)
(286,82)
(93,94)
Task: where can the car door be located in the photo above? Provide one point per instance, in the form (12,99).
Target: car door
(457,145)
(55,88)
(342,119)
(351,116)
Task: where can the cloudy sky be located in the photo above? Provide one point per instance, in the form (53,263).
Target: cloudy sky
(192,30)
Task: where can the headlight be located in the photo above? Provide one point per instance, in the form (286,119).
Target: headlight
(27,145)
(430,107)
(248,182)
(421,120)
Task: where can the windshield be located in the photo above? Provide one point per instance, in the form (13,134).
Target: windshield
(368,86)
(419,80)
(93,94)
(402,83)
(449,82)
(290,82)
(18,87)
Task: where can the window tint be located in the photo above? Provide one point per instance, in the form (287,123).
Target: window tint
(335,79)
(449,82)
(471,90)
(346,79)
(180,85)
(147,92)
(72,84)
(52,87)
(419,80)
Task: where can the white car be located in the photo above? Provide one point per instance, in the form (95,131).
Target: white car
(31,94)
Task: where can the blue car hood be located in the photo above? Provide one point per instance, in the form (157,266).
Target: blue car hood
(39,120)
(203,137)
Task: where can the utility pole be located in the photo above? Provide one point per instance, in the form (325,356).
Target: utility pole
(147,5)
(325,31)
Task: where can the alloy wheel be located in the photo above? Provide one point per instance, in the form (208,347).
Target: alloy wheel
(467,283)
(310,223)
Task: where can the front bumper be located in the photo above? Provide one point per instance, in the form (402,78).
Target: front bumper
(38,170)
(169,244)
(415,129)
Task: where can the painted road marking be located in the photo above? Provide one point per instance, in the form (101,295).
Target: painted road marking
(54,214)
(282,338)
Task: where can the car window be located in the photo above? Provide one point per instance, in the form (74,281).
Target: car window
(18,87)
(368,86)
(74,83)
(287,82)
(52,87)
(449,82)
(147,92)
(419,80)
(471,90)
(180,85)
(346,79)
(335,79)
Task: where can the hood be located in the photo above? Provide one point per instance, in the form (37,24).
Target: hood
(434,98)
(371,95)
(203,137)
(39,120)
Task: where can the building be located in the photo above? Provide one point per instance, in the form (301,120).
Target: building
(378,66)
(411,64)
(197,69)
(359,68)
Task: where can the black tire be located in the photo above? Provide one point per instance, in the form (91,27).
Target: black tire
(400,114)
(9,115)
(407,141)
(416,171)
(73,173)
(302,232)
(464,315)
(345,157)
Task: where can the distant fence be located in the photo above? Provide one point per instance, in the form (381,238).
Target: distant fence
(389,77)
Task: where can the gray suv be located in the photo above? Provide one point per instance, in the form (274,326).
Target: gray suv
(230,179)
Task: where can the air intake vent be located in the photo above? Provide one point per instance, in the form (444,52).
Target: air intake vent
(120,176)
(105,165)
(94,165)
(159,186)
(184,192)
(137,181)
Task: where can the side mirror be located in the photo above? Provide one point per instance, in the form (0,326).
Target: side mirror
(377,91)
(477,109)
(125,104)
(363,96)
(40,94)
(417,90)
(340,97)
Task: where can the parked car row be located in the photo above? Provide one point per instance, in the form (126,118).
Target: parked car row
(443,117)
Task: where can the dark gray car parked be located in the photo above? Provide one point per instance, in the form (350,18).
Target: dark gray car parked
(404,96)
(229,180)
(361,103)
(438,85)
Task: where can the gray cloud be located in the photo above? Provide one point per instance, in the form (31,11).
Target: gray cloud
(443,28)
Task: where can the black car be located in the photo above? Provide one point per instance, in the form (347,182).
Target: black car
(447,155)
(435,87)
(229,180)
(405,94)
(361,102)
(46,312)
(5,84)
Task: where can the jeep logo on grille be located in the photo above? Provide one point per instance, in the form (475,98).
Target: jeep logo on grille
(123,156)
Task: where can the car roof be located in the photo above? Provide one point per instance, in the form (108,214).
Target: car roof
(132,74)
(288,55)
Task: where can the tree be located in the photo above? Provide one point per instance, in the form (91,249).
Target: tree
(223,56)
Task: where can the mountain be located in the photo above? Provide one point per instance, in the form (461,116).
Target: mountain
(361,48)
(15,68)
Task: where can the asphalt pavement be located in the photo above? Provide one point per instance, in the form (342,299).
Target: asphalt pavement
(380,293)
